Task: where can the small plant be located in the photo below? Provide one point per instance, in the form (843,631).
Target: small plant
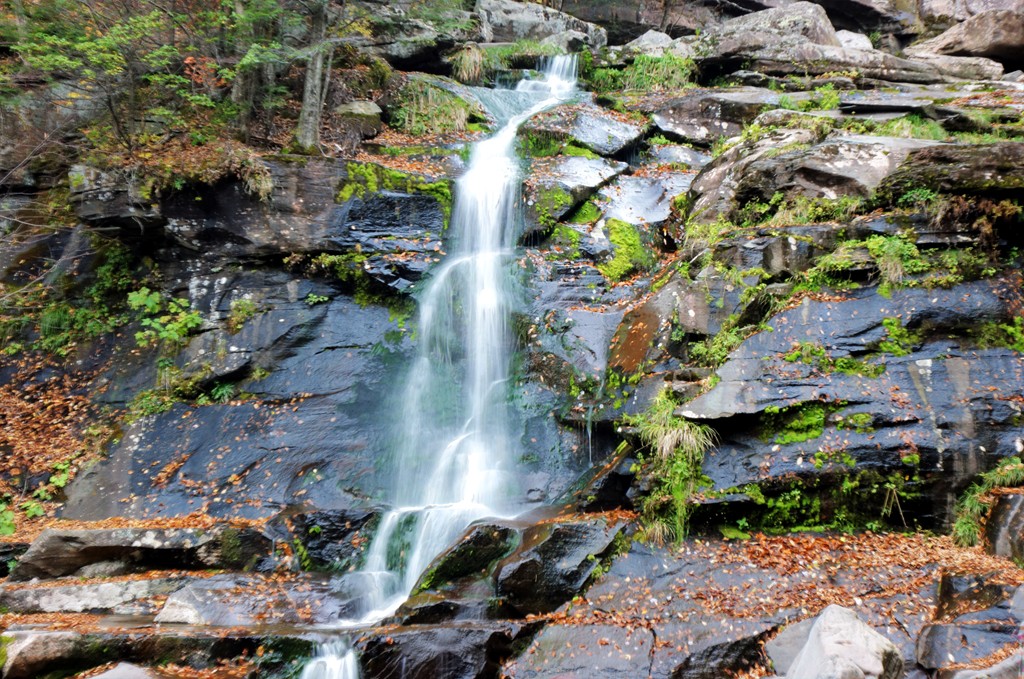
(222,392)
(165,320)
(675,468)
(241,310)
(974,505)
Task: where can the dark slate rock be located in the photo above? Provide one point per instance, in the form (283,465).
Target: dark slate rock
(254,458)
(56,552)
(455,651)
(645,200)
(554,562)
(1004,529)
(330,536)
(978,169)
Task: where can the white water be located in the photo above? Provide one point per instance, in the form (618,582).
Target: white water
(454,461)
(334,661)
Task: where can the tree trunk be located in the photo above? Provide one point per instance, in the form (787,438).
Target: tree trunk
(307,133)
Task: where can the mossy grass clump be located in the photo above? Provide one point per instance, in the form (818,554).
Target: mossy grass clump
(673,458)
(427,108)
(364,178)
(630,253)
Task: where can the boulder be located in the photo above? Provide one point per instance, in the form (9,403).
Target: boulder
(995,34)
(31,654)
(629,19)
(851,40)
(56,552)
(363,115)
(605,132)
(474,554)
(332,537)
(554,562)
(1004,529)
(839,645)
(568,42)
(965,68)
(703,116)
(652,43)
(784,648)
(897,17)
(797,39)
(944,13)
(677,154)
(509,21)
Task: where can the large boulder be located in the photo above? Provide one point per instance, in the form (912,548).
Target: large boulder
(995,34)
(629,19)
(557,186)
(946,12)
(600,130)
(978,169)
(841,646)
(703,116)
(797,39)
(470,650)
(56,552)
(509,21)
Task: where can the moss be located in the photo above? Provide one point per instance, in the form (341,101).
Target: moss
(551,200)
(630,253)
(858,422)
(364,178)
(1006,335)
(899,340)
(571,149)
(587,213)
(566,239)
(540,144)
(815,354)
(426,108)
(795,424)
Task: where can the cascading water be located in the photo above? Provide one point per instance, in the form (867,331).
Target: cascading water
(454,458)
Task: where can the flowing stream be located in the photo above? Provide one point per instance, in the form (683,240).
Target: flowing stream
(454,460)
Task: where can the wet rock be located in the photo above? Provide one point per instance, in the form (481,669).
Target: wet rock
(509,21)
(456,651)
(713,191)
(258,457)
(596,128)
(568,42)
(701,117)
(124,597)
(790,252)
(1004,529)
(994,34)
(232,600)
(63,552)
(839,644)
(554,562)
(330,536)
(557,186)
(676,154)
(474,554)
(594,650)
(646,200)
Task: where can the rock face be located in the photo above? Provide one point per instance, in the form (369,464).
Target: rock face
(839,644)
(57,553)
(509,21)
(995,34)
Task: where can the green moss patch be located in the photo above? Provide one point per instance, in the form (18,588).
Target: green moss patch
(630,252)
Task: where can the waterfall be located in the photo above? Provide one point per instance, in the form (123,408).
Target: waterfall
(334,660)
(455,454)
